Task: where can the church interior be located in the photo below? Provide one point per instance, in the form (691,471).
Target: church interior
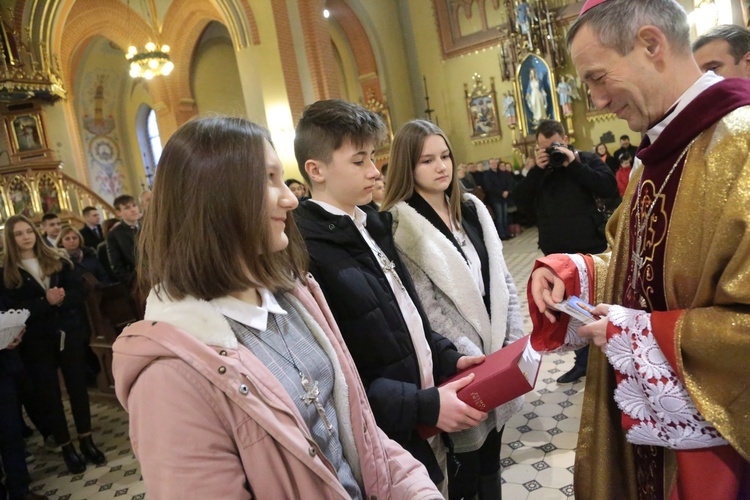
(91,90)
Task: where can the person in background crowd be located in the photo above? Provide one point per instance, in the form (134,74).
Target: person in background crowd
(400,358)
(603,152)
(238,384)
(623,174)
(468,184)
(15,486)
(625,147)
(70,240)
(384,172)
(91,232)
(725,50)
(378,191)
(563,195)
(449,244)
(101,250)
(297,188)
(121,239)
(51,228)
(38,278)
(497,187)
(667,397)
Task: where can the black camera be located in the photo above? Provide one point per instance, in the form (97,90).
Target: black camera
(556,157)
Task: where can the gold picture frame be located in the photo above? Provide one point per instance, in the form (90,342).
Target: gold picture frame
(481,106)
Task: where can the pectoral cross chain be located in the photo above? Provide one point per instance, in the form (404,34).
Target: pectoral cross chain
(389,267)
(311,397)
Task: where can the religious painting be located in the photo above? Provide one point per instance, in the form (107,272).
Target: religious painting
(27,133)
(536,93)
(20,197)
(481,104)
(48,195)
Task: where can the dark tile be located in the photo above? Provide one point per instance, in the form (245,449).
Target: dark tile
(544,391)
(554,431)
(568,490)
(559,361)
(548,380)
(139,496)
(540,465)
(90,482)
(105,487)
(530,415)
(532,485)
(515,445)
(507,462)
(546,448)
(571,392)
(64,497)
(524,428)
(560,417)
(115,468)
(76,478)
(565,404)
(121,492)
(130,472)
(538,402)
(572,469)
(49,493)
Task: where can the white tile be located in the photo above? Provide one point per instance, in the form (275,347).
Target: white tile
(527,455)
(560,458)
(566,440)
(557,396)
(514,491)
(542,423)
(519,473)
(511,434)
(535,438)
(554,477)
(570,425)
(546,494)
(548,410)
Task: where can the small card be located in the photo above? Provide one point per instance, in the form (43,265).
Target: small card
(578,309)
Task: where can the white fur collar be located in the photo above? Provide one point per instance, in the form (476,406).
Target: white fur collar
(424,244)
(194,316)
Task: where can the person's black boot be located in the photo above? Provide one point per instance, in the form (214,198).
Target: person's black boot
(490,487)
(572,376)
(90,451)
(73,460)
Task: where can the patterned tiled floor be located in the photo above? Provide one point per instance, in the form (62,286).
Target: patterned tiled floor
(537,452)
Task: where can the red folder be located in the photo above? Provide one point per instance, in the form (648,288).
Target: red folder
(503,376)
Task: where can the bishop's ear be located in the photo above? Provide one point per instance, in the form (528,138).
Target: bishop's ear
(651,40)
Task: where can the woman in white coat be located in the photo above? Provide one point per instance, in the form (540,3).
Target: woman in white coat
(449,243)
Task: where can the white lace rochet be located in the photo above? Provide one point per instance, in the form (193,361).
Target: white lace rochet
(650,391)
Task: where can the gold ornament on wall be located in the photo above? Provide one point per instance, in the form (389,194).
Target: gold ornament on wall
(481,104)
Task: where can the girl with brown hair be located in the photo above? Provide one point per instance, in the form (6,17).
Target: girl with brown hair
(449,244)
(42,280)
(238,382)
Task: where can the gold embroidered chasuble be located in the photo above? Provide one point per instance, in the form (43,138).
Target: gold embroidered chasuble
(707,277)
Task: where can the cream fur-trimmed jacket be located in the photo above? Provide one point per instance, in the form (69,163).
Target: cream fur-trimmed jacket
(451,298)
(208,420)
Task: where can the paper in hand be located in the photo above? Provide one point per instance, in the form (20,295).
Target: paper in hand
(577,309)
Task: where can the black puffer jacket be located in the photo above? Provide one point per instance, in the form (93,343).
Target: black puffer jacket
(563,200)
(372,325)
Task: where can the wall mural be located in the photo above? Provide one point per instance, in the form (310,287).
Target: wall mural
(100,136)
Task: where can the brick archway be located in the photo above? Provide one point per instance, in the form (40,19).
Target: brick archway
(364,55)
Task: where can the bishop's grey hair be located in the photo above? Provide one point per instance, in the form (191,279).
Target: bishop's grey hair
(616,23)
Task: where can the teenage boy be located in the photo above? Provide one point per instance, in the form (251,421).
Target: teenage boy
(121,240)
(371,295)
(92,229)
(51,227)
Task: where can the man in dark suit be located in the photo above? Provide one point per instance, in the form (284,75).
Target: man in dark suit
(92,231)
(121,240)
(625,147)
(51,227)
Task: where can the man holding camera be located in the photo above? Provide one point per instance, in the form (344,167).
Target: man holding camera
(564,190)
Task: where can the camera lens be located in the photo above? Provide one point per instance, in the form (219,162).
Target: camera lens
(556,157)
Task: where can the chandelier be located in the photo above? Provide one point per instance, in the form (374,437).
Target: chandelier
(150,62)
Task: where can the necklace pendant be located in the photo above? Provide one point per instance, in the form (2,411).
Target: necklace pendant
(642,302)
(311,397)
